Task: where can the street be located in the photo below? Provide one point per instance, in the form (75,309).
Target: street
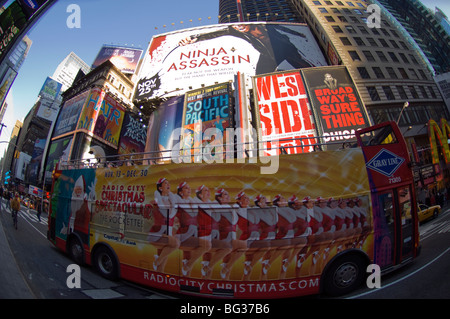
(43,269)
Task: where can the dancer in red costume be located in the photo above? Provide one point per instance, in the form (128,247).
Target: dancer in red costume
(192,246)
(223,232)
(245,228)
(160,234)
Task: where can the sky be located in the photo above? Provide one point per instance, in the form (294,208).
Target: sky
(119,22)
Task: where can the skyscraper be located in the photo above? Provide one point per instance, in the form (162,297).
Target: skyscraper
(257,10)
(67,70)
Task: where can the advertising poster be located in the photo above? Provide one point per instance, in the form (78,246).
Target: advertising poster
(189,59)
(284,113)
(50,89)
(12,21)
(69,114)
(59,150)
(125,59)
(337,106)
(164,122)
(206,108)
(133,136)
(160,232)
(103,116)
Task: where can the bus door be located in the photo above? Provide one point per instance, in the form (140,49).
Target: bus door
(393,226)
(393,196)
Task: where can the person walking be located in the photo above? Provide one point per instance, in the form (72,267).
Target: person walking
(15,206)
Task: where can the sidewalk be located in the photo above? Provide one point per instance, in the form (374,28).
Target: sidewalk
(12,282)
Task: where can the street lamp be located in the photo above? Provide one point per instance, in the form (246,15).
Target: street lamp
(405,105)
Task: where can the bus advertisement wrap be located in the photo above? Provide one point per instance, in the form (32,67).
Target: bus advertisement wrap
(338,108)
(225,227)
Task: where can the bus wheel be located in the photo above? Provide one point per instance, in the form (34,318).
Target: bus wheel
(76,251)
(106,263)
(344,275)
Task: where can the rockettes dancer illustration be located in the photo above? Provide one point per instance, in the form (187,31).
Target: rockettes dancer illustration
(300,239)
(329,228)
(192,246)
(160,234)
(260,249)
(284,236)
(315,220)
(239,245)
(223,231)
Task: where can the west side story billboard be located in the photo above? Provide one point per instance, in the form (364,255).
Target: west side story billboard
(192,58)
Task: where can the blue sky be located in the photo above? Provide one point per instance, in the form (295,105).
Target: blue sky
(129,22)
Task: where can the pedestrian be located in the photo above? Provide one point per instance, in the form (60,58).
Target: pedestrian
(39,208)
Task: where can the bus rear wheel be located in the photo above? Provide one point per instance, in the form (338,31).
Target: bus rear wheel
(76,250)
(106,263)
(344,275)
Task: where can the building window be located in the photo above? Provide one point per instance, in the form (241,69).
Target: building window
(383,43)
(323,10)
(368,56)
(359,41)
(330,19)
(413,91)
(317,3)
(394,44)
(391,73)
(423,91)
(414,74)
(413,59)
(342,19)
(363,30)
(433,95)
(350,4)
(403,57)
(335,10)
(381,56)
(339,3)
(393,56)
(373,93)
(337,29)
(403,73)
(423,75)
(350,29)
(354,55)
(402,92)
(378,73)
(363,73)
(372,42)
(389,95)
(345,41)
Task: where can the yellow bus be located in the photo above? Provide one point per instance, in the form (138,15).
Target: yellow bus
(226,230)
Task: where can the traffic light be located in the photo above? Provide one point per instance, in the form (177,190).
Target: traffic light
(7,177)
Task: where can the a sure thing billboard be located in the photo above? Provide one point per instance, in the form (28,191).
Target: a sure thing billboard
(337,107)
(192,58)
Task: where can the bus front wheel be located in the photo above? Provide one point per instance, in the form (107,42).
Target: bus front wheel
(344,275)
(106,263)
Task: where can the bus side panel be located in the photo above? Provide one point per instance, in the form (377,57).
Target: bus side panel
(69,209)
(148,229)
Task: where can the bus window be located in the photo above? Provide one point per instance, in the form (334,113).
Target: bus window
(381,136)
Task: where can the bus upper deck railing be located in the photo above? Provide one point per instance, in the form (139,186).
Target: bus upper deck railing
(215,152)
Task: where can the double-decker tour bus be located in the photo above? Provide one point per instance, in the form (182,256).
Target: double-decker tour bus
(311,225)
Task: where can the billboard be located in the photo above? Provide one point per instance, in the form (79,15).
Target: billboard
(12,21)
(125,59)
(192,58)
(337,105)
(133,136)
(103,116)
(69,114)
(50,89)
(284,113)
(162,125)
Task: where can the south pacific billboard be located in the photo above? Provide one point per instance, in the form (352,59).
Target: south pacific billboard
(192,58)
